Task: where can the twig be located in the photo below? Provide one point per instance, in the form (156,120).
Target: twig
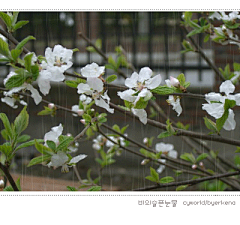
(9,177)
(189,182)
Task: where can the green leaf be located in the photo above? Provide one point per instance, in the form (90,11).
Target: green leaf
(28,144)
(221,121)
(74,83)
(87,118)
(164,134)
(202,157)
(19,79)
(46,111)
(43,149)
(23,138)
(14,17)
(20,24)
(24,41)
(188,157)
(154,174)
(4,49)
(95,188)
(7,125)
(15,53)
(229,104)
(181,79)
(39,160)
(164,90)
(141,104)
(98,43)
(21,121)
(71,188)
(166,180)
(111,78)
(181,187)
(63,145)
(6,19)
(51,144)
(210,124)
(6,149)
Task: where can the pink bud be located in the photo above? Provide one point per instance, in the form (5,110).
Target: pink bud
(194,166)
(51,105)
(174,81)
(80,112)
(145,161)
(145,140)
(83,121)
(69,135)
(201,164)
(1,184)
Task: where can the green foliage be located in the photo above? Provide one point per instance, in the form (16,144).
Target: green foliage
(111,78)
(154,176)
(188,157)
(210,125)
(10,19)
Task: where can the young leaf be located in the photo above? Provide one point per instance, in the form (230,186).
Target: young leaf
(21,121)
(221,121)
(188,157)
(7,125)
(39,160)
(19,24)
(4,49)
(181,187)
(6,19)
(202,157)
(28,144)
(111,78)
(154,174)
(166,180)
(24,41)
(95,188)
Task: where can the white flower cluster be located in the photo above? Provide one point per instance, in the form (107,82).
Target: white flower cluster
(57,61)
(223,31)
(168,150)
(139,87)
(61,158)
(100,141)
(94,87)
(216,101)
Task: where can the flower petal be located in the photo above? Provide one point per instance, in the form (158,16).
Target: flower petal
(35,94)
(59,159)
(132,81)
(227,87)
(230,123)
(92,70)
(95,83)
(127,95)
(141,114)
(144,74)
(153,82)
(76,159)
(214,109)
(162,147)
(84,88)
(101,103)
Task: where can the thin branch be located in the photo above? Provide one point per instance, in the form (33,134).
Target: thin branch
(189,182)
(180,132)
(204,56)
(8,176)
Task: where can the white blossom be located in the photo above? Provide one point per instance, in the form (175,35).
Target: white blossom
(174,100)
(167,149)
(215,105)
(94,88)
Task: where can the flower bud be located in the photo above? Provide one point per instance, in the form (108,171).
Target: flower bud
(51,105)
(194,166)
(1,184)
(83,121)
(145,161)
(80,112)
(69,135)
(174,81)
(201,164)
(145,140)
